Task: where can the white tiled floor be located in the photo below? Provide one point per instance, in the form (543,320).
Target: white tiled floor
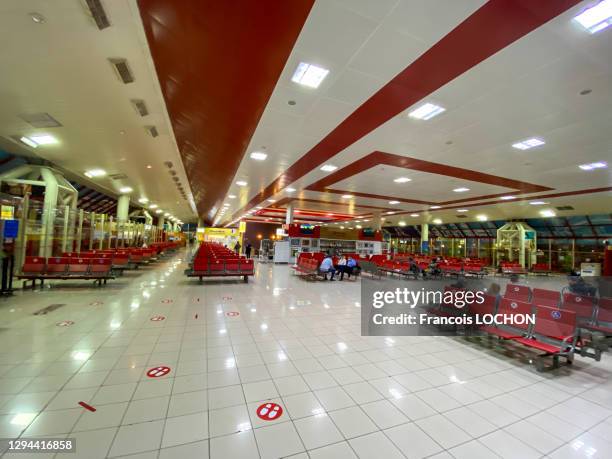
(295,343)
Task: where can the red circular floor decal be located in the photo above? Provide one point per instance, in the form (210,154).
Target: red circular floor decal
(65,323)
(269,411)
(96,303)
(167,301)
(157,318)
(157,372)
(232,313)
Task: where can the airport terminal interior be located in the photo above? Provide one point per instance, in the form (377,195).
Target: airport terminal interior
(214,213)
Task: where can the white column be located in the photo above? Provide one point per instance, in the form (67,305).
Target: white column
(376,220)
(425,236)
(289,215)
(48,217)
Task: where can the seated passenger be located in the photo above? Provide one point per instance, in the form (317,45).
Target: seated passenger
(327,266)
(578,286)
(341,266)
(351,267)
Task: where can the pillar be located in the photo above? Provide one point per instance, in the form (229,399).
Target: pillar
(48,216)
(289,215)
(79,231)
(425,238)
(376,220)
(65,231)
(101,242)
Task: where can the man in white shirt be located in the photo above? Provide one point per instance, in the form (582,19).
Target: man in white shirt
(327,266)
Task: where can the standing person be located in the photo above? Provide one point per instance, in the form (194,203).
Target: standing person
(248,249)
(237,248)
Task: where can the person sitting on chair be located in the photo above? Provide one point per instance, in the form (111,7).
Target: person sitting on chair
(327,266)
(351,266)
(341,266)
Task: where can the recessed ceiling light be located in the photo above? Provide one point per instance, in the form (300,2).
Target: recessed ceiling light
(43,139)
(435,207)
(231,196)
(507,198)
(461,190)
(347,196)
(166,214)
(149,166)
(538,203)
(143,200)
(591,166)
(547,213)
(597,17)
(481,218)
(29,142)
(390,213)
(95,173)
(328,168)
(462,210)
(290,190)
(426,111)
(402,223)
(309,75)
(125,189)
(259,207)
(259,155)
(37,18)
(271,200)
(402,180)
(394,202)
(241,183)
(437,221)
(154,206)
(158,211)
(414,215)
(527,144)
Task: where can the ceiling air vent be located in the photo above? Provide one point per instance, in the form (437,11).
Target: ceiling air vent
(176,179)
(172,172)
(140,107)
(98,14)
(169,164)
(118,176)
(564,208)
(123,70)
(152,130)
(40,120)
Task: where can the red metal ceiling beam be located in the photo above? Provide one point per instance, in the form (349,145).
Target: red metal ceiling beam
(218,63)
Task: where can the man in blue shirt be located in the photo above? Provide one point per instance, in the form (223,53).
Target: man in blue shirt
(327,266)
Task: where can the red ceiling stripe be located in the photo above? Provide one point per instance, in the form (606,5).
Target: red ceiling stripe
(490,29)
(217,64)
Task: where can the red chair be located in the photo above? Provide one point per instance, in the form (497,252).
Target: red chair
(57,265)
(510,308)
(545,297)
(583,306)
(518,292)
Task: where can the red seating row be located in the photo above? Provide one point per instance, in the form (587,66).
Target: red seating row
(36,268)
(212,260)
(510,267)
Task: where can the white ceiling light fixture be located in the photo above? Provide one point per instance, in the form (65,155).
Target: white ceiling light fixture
(548,213)
(538,203)
(259,155)
(231,196)
(437,221)
(43,139)
(591,166)
(393,202)
(426,111)
(347,196)
(402,223)
(481,218)
(166,214)
(461,190)
(158,211)
(389,213)
(241,183)
(507,198)
(528,144)
(95,173)
(290,190)
(153,206)
(328,168)
(402,180)
(596,18)
(462,210)
(414,215)
(143,200)
(271,200)
(309,75)
(125,189)
(435,207)
(29,142)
